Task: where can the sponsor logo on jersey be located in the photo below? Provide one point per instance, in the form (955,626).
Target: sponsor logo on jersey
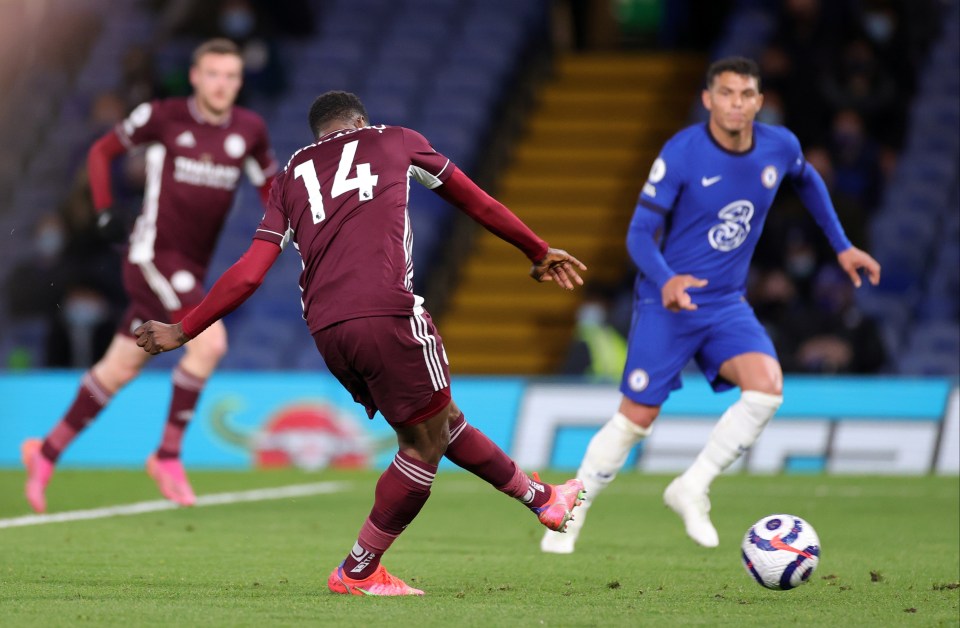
(186,139)
(650,190)
(708,181)
(638,380)
(235,146)
(734,229)
(769,177)
(205,173)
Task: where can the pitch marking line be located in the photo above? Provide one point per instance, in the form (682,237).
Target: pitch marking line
(215,499)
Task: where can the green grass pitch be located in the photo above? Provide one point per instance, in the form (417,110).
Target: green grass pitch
(890,556)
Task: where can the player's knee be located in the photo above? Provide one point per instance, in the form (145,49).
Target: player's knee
(642,416)
(211,350)
(769,386)
(115,374)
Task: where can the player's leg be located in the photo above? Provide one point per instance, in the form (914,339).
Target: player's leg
(657,352)
(744,358)
(201,357)
(120,364)
(470,449)
(760,380)
(401,492)
(606,454)
(394,365)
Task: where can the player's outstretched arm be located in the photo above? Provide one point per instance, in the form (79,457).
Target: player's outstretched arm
(548,264)
(157,337)
(560,267)
(853,260)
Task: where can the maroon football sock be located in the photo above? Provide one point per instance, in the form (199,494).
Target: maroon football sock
(90,400)
(186,391)
(401,492)
(470,449)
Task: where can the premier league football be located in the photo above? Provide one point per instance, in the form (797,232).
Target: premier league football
(780,551)
(516,312)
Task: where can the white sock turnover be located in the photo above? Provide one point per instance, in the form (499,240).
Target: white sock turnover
(607,452)
(735,432)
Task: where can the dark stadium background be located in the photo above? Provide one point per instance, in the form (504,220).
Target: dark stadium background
(558,108)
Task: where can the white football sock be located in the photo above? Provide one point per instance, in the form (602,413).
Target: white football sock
(735,432)
(606,454)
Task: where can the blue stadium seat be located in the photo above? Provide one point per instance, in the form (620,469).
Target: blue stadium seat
(928,364)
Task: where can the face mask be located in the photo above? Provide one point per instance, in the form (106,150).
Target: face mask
(801,264)
(879,26)
(84,311)
(49,242)
(591,315)
(237,23)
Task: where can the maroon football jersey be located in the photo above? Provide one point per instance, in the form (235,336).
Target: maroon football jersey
(193,168)
(343,202)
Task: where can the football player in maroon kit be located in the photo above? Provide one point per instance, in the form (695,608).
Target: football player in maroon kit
(197,148)
(343,202)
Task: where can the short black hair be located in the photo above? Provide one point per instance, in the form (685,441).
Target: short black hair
(738,65)
(335,106)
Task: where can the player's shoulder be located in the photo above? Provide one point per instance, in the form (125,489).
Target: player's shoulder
(393,138)
(775,134)
(247,117)
(174,107)
(158,110)
(685,139)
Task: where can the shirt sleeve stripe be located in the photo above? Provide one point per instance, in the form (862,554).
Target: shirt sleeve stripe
(653,207)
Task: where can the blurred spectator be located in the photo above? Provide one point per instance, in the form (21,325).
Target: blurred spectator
(852,214)
(34,285)
(263,73)
(856,159)
(859,82)
(70,288)
(839,337)
(251,25)
(600,347)
(139,81)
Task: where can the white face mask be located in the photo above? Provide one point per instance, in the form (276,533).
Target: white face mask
(84,311)
(49,242)
(879,27)
(237,23)
(591,314)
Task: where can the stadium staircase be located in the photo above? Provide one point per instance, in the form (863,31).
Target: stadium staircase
(575,177)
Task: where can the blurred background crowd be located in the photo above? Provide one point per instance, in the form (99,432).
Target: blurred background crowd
(870,87)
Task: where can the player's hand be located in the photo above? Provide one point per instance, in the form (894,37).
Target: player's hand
(110,227)
(560,267)
(853,260)
(674,292)
(157,337)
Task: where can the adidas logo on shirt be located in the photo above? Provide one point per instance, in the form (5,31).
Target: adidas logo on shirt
(186,140)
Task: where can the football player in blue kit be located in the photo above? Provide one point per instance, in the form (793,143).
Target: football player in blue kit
(694,230)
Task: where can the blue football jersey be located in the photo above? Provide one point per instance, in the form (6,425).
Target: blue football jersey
(714,204)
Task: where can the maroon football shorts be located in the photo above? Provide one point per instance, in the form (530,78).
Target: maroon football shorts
(157,293)
(394,364)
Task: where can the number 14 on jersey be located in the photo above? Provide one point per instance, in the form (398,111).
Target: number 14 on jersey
(363,182)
